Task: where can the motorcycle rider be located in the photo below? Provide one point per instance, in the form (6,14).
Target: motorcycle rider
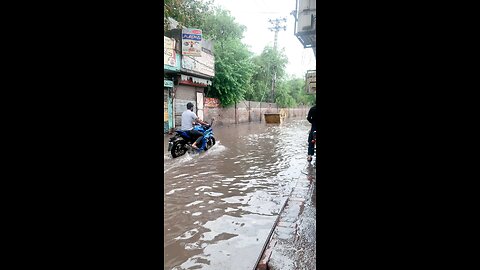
(189,118)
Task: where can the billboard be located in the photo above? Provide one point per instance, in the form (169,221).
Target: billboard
(205,64)
(311,81)
(192,42)
(169,55)
(212,102)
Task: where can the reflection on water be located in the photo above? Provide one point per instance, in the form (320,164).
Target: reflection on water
(219,206)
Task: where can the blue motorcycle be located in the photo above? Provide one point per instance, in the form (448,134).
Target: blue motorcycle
(181,142)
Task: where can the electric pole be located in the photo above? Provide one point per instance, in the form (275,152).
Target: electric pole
(276,28)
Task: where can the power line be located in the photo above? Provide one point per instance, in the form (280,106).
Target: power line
(276,28)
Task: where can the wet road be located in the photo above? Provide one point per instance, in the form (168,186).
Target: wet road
(220,206)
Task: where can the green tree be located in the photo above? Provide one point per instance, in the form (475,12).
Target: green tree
(299,93)
(233,72)
(219,25)
(268,62)
(292,93)
(188,13)
(283,96)
(233,64)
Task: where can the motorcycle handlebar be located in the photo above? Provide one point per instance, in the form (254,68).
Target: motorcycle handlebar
(207,125)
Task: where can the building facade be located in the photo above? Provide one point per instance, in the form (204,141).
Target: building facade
(171,67)
(190,77)
(305,14)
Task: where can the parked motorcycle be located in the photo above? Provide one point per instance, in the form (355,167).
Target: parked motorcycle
(181,142)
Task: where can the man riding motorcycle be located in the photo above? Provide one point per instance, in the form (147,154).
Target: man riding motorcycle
(189,118)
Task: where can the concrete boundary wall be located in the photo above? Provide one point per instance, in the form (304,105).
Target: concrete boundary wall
(250,111)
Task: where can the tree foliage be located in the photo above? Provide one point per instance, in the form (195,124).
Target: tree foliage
(233,65)
(292,93)
(268,62)
(233,72)
(220,25)
(188,13)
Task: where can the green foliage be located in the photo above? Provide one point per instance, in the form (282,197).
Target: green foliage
(292,93)
(266,64)
(233,65)
(189,13)
(283,95)
(233,73)
(220,26)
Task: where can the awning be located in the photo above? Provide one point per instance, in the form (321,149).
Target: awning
(195,80)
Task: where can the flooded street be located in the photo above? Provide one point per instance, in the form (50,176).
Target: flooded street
(220,206)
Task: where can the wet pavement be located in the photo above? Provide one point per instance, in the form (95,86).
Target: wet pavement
(220,206)
(293,243)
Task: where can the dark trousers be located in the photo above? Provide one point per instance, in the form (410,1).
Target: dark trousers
(311,146)
(196,134)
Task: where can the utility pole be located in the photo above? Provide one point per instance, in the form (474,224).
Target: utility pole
(276,28)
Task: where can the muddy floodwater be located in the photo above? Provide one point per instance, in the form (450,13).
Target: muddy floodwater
(220,206)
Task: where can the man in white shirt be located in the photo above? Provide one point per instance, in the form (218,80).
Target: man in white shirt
(188,120)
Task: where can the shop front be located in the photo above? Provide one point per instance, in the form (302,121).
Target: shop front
(190,89)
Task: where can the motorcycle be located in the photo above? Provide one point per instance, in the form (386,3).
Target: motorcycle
(181,142)
(314,142)
(314,138)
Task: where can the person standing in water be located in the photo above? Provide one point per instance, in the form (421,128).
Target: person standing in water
(312,119)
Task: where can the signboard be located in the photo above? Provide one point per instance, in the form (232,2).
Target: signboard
(192,42)
(205,64)
(165,107)
(312,88)
(191,80)
(169,54)
(167,83)
(311,81)
(211,102)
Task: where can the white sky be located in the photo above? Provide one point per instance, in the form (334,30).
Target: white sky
(254,14)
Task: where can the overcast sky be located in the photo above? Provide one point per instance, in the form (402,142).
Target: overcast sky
(254,14)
